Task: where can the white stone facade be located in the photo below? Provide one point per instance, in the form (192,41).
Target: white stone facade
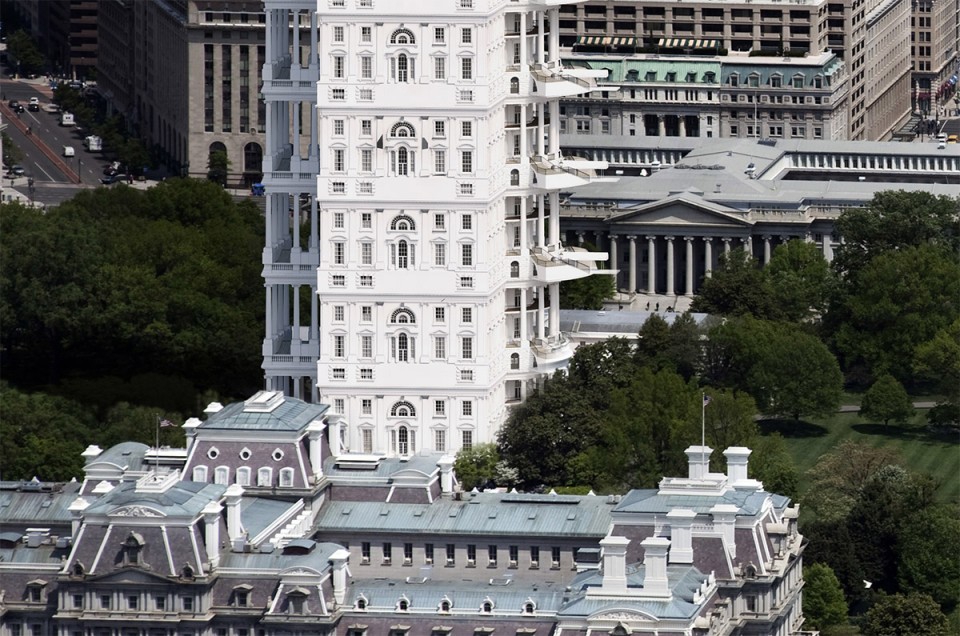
(440,258)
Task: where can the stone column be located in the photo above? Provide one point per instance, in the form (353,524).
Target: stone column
(661,126)
(295,337)
(726,245)
(747,246)
(766,250)
(689,281)
(683,125)
(827,247)
(580,236)
(613,262)
(632,277)
(707,256)
(651,265)
(670,290)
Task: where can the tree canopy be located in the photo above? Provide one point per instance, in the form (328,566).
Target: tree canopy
(823,603)
(899,615)
(886,400)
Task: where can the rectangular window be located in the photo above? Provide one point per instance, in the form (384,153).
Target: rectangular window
(439,407)
(133,602)
(534,556)
(466,439)
(338,253)
(366,67)
(365,552)
(439,128)
(338,313)
(514,556)
(366,406)
(338,404)
(367,440)
(467,351)
(440,440)
(407,553)
(77,601)
(366,127)
(439,221)
(439,35)
(466,255)
(366,313)
(338,34)
(366,34)
(439,254)
(466,68)
(187,603)
(366,346)
(366,253)
(366,281)
(440,68)
(466,407)
(366,220)
(555,557)
(338,94)
(339,68)
(366,160)
(440,347)
(466,128)
(339,373)
(160,602)
(439,314)
(339,349)
(466,315)
(104,601)
(387,553)
(466,222)
(492,555)
(338,220)
(471,555)
(466,36)
(466,282)
(439,161)
(428,553)
(339,160)
(451,554)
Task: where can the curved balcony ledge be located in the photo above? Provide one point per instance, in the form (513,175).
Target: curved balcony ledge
(555,80)
(551,352)
(553,171)
(554,264)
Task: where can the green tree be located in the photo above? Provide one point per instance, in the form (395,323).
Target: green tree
(901,300)
(596,369)
(729,420)
(12,154)
(800,280)
(829,543)
(772,464)
(838,477)
(218,167)
(586,293)
(823,602)
(937,362)
(894,220)
(929,561)
(675,346)
(886,400)
(904,615)
(737,287)
(476,467)
(24,51)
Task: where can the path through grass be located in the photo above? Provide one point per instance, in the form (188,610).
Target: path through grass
(922,450)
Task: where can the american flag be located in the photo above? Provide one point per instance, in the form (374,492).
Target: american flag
(166,424)
(706,399)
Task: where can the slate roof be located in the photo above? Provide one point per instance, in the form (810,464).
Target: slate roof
(651,501)
(682,580)
(183,499)
(478,514)
(256,513)
(23,508)
(126,455)
(277,561)
(383,594)
(290,415)
(385,468)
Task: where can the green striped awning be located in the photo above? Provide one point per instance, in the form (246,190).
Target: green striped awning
(686,43)
(606,40)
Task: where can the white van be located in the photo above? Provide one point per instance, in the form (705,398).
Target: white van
(942,137)
(68,151)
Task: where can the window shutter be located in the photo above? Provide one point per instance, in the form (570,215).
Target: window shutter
(413,251)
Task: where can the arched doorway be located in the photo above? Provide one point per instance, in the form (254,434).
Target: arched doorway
(218,163)
(252,163)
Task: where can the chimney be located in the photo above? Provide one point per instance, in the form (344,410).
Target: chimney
(681,535)
(315,435)
(698,459)
(655,566)
(76,514)
(339,561)
(737,463)
(213,407)
(614,564)
(724,520)
(446,474)
(91,451)
(333,436)
(190,431)
(211,524)
(232,498)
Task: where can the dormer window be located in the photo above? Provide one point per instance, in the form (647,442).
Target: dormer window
(35,591)
(297,600)
(403,605)
(362,603)
(754,80)
(186,572)
(445,605)
(529,607)
(734,79)
(241,595)
(487,606)
(132,548)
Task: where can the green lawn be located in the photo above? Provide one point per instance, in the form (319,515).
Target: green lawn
(922,450)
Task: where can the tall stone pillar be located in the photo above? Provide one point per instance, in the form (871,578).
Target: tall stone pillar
(651,265)
(766,250)
(683,125)
(632,278)
(670,257)
(614,262)
(726,246)
(707,256)
(748,246)
(661,126)
(689,278)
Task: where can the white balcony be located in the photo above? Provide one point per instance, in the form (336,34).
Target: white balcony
(555,80)
(286,173)
(555,264)
(551,352)
(285,82)
(554,172)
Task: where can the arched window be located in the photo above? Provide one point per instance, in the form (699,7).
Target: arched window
(529,607)
(132,547)
(402,316)
(403,348)
(252,157)
(403,162)
(403,255)
(402,130)
(514,269)
(199,473)
(487,607)
(514,177)
(362,603)
(514,85)
(402,36)
(514,360)
(633,75)
(221,475)
(402,223)
(286,477)
(243,475)
(265,477)
(403,605)
(404,436)
(403,72)
(444,605)
(403,409)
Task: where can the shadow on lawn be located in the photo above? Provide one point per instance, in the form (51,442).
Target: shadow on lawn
(908,432)
(791,428)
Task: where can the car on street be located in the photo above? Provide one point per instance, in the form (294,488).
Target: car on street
(69,151)
(17,170)
(34,105)
(112,168)
(113,178)
(16,106)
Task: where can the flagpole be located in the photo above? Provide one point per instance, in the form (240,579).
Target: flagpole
(703,427)
(156,457)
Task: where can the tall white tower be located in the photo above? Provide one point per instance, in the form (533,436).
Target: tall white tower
(290,164)
(439,187)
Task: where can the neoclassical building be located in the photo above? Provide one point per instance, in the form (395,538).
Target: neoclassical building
(666,231)
(439,180)
(310,539)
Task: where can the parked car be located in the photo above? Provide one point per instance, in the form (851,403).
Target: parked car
(952,139)
(112,168)
(34,105)
(68,151)
(17,170)
(113,178)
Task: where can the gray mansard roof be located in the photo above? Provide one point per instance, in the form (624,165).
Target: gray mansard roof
(184,499)
(283,414)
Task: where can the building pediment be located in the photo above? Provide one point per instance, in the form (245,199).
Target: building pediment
(679,211)
(129,576)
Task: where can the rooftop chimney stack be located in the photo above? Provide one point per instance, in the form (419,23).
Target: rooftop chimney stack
(681,535)
(211,527)
(315,435)
(232,498)
(724,520)
(339,562)
(446,474)
(737,457)
(655,566)
(698,459)
(614,564)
